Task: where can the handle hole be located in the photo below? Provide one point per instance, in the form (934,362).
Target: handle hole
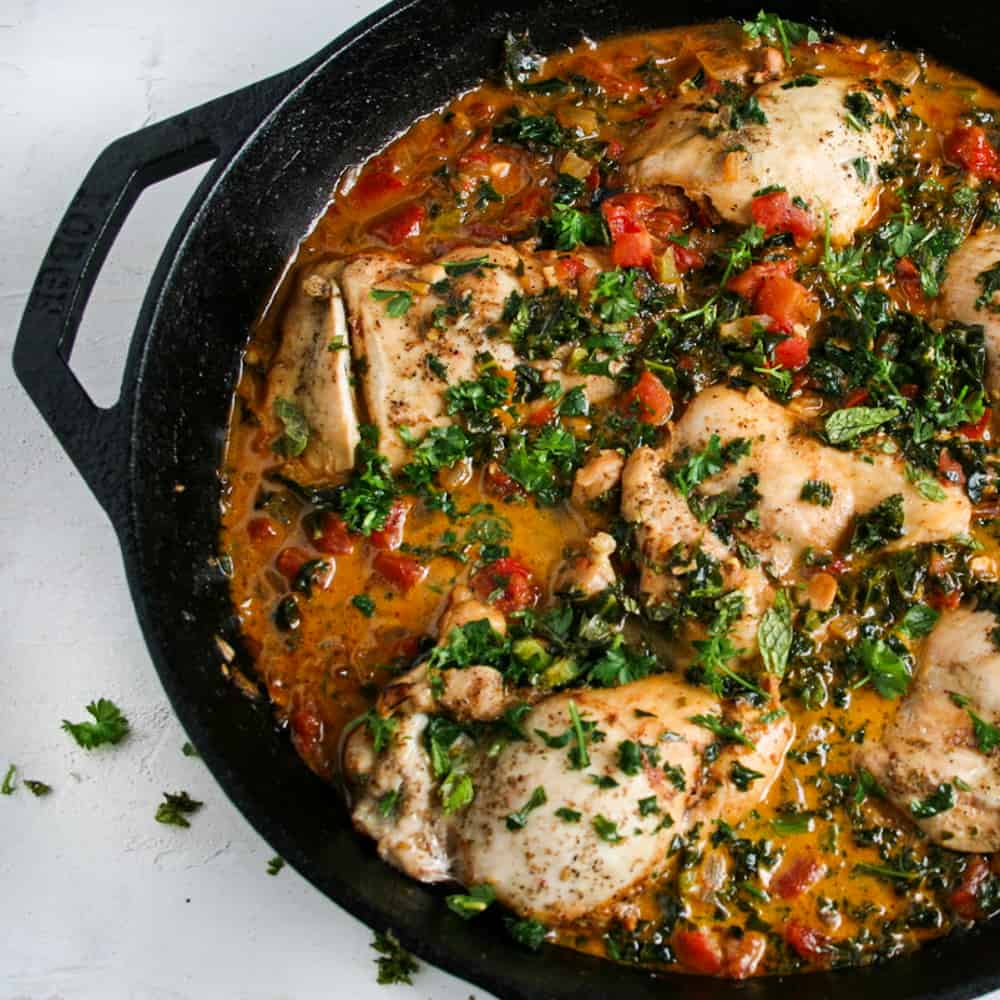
(102,342)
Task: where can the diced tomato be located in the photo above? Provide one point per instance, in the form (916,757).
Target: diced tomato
(699,951)
(837,567)
(648,400)
(541,414)
(614,150)
(604,72)
(686,259)
(289,561)
(949,469)
(788,303)
(261,529)
(909,390)
(856,397)
(497,483)
(964,899)
(742,955)
(400,224)
(330,535)
(631,243)
(512,579)
(747,283)
(976,431)
(792,353)
(970,148)
(374,186)
(570,268)
(627,213)
(798,875)
(777,213)
(943,600)
(632,250)
(391,536)
(400,570)
(908,278)
(807,942)
(308,732)
(664,222)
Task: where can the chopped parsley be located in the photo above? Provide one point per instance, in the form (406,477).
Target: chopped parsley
(818,492)
(109,725)
(989,282)
(365,500)
(940,800)
(568,815)
(518,820)
(743,777)
(528,933)
(364,604)
(175,809)
(887,668)
(296,429)
(605,829)
(694,468)
(726,731)
(9,784)
(878,526)
(275,865)
(397,300)
(471,904)
(395,964)
(777,31)
(37,788)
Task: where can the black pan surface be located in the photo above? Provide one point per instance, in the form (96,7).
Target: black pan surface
(278,148)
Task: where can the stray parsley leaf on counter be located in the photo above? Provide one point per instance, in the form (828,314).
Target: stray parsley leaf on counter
(275,865)
(109,725)
(395,963)
(37,788)
(8,786)
(175,808)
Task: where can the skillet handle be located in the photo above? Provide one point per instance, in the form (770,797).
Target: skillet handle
(95,438)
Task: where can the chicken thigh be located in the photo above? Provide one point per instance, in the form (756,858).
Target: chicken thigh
(934,755)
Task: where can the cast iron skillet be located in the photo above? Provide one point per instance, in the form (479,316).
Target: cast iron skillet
(278,147)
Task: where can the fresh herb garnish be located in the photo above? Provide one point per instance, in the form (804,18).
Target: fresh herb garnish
(109,725)
(518,820)
(397,300)
(296,435)
(175,809)
(471,904)
(395,963)
(940,800)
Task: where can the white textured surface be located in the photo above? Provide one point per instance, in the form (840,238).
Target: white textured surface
(96,899)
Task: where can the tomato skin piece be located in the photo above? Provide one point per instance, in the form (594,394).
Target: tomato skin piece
(800,874)
(792,353)
(331,537)
(747,283)
(970,148)
(390,537)
(943,600)
(569,268)
(261,529)
(308,732)
(400,224)
(777,213)
(742,956)
(807,942)
(788,303)
(374,186)
(698,951)
(949,469)
(686,259)
(290,560)
(633,250)
(908,278)
(513,577)
(976,431)
(856,397)
(964,898)
(631,243)
(400,570)
(648,400)
(497,483)
(541,414)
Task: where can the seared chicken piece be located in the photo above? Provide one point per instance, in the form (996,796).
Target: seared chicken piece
(805,146)
(464,607)
(401,390)
(600,475)
(784,460)
(590,572)
(311,370)
(932,740)
(961,291)
(541,859)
